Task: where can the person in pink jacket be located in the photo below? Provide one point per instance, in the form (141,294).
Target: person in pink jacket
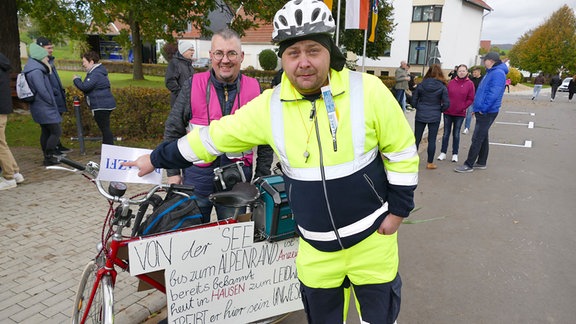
(461,93)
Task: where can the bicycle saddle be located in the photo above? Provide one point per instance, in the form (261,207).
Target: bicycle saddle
(241,195)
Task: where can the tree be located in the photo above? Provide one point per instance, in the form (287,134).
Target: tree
(353,39)
(10,44)
(550,46)
(159,19)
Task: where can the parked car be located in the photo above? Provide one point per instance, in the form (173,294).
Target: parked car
(564,86)
(202,62)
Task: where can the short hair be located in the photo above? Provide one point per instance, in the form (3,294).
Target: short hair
(91,56)
(227,33)
(462,65)
(477,68)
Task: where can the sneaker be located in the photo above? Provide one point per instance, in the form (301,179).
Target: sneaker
(7,184)
(465,131)
(480,166)
(442,156)
(463,168)
(18,177)
(454,157)
(532,98)
(431,166)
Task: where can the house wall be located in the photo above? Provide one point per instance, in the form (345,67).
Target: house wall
(458,34)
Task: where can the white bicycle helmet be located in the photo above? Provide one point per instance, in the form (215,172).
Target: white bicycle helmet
(302,17)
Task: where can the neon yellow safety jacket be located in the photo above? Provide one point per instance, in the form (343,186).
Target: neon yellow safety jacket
(369,170)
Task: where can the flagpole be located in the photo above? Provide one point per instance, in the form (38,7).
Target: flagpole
(364,50)
(338,26)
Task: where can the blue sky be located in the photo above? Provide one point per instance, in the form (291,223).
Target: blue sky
(510,19)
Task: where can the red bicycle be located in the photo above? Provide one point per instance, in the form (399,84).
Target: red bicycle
(94,302)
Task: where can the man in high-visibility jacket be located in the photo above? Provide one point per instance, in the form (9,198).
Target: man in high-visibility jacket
(349,161)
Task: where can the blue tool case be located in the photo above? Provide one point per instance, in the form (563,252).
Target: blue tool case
(272,216)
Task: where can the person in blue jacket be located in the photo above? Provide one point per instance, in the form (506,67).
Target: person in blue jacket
(59,91)
(487,104)
(96,88)
(44,108)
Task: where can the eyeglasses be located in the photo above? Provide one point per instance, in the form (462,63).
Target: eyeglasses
(219,55)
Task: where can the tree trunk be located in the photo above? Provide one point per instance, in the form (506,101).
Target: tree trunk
(9,33)
(137,72)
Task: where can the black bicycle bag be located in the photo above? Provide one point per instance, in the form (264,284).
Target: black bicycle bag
(173,213)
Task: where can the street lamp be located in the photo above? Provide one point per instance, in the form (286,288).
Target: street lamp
(429,11)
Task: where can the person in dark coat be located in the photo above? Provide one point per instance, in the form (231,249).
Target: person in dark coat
(571,88)
(555,82)
(59,91)
(44,109)
(179,69)
(96,88)
(10,171)
(430,99)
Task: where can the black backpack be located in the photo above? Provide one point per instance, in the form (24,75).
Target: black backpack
(174,212)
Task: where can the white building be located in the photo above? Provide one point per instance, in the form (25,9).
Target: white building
(438,31)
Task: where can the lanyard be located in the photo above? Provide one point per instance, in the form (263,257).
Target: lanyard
(332,117)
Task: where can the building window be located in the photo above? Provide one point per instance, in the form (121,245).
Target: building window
(384,73)
(422,13)
(418,50)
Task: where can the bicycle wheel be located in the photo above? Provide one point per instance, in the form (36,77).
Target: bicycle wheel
(101,310)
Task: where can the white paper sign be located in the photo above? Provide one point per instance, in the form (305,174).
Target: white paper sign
(112,170)
(220,275)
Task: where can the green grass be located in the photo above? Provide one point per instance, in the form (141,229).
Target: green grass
(118,80)
(65,53)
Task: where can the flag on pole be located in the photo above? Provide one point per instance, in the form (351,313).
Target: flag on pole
(357,14)
(328,4)
(372,21)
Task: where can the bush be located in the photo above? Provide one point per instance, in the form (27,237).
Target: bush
(514,75)
(140,113)
(268,60)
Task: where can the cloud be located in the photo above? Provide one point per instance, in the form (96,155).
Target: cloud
(510,19)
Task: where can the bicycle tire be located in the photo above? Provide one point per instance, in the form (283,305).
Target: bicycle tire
(101,311)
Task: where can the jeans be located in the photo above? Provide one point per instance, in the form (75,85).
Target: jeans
(432,134)
(478,152)
(537,88)
(400,95)
(469,116)
(222,212)
(102,118)
(448,122)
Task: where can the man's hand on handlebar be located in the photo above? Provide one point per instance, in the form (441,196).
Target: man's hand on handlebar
(143,163)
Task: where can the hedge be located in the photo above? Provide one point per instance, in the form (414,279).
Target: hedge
(140,113)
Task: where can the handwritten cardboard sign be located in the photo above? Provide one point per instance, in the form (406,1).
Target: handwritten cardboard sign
(220,275)
(111,169)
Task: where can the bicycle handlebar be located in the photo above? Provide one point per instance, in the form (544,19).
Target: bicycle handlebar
(71,163)
(92,169)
